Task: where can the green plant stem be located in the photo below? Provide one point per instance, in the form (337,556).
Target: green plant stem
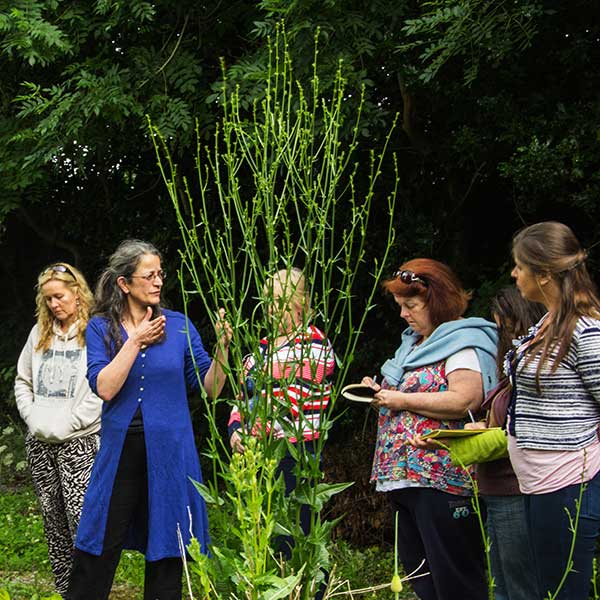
(573,524)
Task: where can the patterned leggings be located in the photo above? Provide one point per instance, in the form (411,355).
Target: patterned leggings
(60,474)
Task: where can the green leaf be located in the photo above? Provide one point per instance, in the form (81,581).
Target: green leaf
(208,496)
(324,491)
(282,587)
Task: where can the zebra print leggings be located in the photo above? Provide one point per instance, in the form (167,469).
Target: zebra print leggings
(60,474)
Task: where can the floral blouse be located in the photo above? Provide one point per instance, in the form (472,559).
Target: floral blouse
(396,460)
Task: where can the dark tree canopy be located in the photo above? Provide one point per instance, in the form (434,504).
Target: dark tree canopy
(498,105)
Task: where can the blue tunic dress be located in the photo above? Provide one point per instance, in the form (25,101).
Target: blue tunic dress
(157,383)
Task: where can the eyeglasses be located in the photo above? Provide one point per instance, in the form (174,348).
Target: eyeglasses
(152,276)
(409,277)
(59,269)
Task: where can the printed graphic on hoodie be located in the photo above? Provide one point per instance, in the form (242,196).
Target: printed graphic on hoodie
(57,375)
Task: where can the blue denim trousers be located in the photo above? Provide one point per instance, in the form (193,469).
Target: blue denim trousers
(510,553)
(550,535)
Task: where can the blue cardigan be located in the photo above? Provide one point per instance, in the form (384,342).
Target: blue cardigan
(447,339)
(157,383)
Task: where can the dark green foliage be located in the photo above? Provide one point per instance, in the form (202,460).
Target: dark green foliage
(13,463)
(77,167)
(474,31)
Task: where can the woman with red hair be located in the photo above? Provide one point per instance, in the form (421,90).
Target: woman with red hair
(441,371)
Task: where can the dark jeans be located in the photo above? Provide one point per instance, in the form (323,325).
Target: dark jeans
(510,552)
(286,468)
(442,529)
(550,538)
(92,576)
(285,544)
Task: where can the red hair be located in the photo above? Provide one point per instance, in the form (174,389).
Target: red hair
(444,295)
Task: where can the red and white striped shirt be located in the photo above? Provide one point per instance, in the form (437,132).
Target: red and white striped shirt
(290,390)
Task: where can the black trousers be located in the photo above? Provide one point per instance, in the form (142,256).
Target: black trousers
(442,529)
(92,576)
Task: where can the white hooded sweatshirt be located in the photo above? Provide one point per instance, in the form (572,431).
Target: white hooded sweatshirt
(52,393)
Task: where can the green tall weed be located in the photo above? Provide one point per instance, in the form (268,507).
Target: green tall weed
(275,189)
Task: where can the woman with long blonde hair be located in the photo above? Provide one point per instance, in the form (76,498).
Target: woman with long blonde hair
(555,410)
(62,414)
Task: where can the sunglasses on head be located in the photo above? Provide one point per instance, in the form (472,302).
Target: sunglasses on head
(409,277)
(59,269)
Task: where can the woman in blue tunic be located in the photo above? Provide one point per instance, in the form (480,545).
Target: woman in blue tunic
(141,360)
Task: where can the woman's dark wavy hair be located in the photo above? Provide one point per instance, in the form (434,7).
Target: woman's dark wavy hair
(443,294)
(551,249)
(111,301)
(515,316)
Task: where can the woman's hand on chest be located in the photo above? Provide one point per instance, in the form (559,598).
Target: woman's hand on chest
(149,331)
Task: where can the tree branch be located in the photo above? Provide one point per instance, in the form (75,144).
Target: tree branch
(417,139)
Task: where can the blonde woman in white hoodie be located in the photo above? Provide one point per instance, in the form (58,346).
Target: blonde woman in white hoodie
(61,412)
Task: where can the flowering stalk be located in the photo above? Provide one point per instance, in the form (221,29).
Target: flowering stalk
(276,189)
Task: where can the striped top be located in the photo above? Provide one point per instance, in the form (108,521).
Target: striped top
(565,415)
(289,389)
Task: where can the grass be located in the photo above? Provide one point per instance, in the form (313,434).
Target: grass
(24,567)
(25,571)
(367,567)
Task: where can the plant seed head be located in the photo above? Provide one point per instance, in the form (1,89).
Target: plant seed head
(396,584)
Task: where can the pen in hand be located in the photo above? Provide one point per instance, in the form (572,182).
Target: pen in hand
(471,416)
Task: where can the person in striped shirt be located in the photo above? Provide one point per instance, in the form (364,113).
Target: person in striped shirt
(555,408)
(286,381)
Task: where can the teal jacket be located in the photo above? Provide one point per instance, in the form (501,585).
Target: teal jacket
(447,339)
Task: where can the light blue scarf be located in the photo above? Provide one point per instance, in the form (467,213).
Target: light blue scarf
(447,339)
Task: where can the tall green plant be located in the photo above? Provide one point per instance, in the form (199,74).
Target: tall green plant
(277,188)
